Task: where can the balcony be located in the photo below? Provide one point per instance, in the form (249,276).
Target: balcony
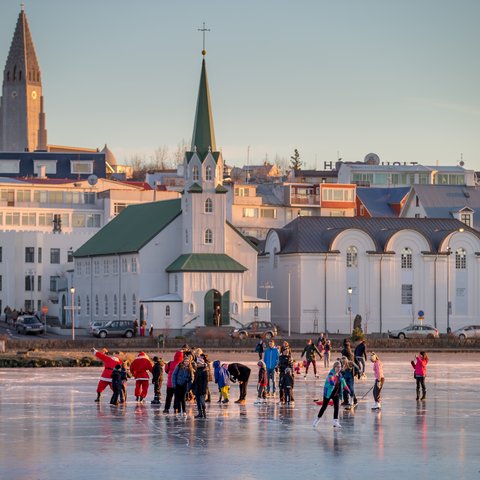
(313,200)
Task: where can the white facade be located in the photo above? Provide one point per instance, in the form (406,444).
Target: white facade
(388,287)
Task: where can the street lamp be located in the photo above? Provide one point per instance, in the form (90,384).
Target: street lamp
(449,302)
(350,291)
(72,291)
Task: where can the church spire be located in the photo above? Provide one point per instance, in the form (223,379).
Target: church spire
(22,64)
(203,139)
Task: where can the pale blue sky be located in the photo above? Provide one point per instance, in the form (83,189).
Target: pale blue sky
(398,78)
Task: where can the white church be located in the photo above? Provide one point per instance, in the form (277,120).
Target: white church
(177,264)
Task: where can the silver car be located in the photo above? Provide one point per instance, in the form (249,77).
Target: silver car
(470,331)
(415,331)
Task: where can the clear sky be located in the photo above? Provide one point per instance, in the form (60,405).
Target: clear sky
(398,78)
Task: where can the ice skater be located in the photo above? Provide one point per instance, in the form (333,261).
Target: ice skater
(360,354)
(117,385)
(309,351)
(287,383)
(379,380)
(169,369)
(200,387)
(140,369)
(332,391)
(157,380)
(109,362)
(270,357)
(262,383)
(241,373)
(326,354)
(181,379)
(349,371)
(420,372)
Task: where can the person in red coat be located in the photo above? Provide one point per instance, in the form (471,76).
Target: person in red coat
(420,372)
(109,362)
(139,369)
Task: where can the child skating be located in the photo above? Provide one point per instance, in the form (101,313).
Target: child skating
(262,383)
(379,380)
(420,372)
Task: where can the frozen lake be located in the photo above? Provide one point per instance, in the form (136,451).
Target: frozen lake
(50,428)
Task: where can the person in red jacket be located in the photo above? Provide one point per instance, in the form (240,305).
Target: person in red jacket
(139,369)
(169,369)
(109,362)
(420,372)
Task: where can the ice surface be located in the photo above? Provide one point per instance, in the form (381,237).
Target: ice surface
(50,428)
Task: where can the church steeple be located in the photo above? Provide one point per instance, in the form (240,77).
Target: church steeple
(22,119)
(203,138)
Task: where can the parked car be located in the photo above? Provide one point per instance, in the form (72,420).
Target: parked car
(93,325)
(470,331)
(415,331)
(255,330)
(115,328)
(29,324)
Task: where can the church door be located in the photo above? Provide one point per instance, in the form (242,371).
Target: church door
(226,308)
(213,308)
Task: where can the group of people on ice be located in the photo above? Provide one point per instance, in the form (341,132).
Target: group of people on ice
(190,372)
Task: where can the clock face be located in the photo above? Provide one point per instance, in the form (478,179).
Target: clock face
(34,94)
(14,94)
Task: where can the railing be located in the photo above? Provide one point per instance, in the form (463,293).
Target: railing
(236,321)
(190,321)
(305,200)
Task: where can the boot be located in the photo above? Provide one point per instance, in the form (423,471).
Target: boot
(98,397)
(424,395)
(204,413)
(200,415)
(336,424)
(155,401)
(418,394)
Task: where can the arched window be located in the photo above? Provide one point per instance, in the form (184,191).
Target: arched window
(208,205)
(191,308)
(255,312)
(352,257)
(167,311)
(208,236)
(186,236)
(134,304)
(406,258)
(97,307)
(175,283)
(124,304)
(87,305)
(115,305)
(186,205)
(105,305)
(235,308)
(208,173)
(20,75)
(195,173)
(460,259)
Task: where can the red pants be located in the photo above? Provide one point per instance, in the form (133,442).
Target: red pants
(102,385)
(141,388)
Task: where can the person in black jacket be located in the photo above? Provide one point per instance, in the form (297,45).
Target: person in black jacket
(361,357)
(240,373)
(309,351)
(347,350)
(287,384)
(285,361)
(200,386)
(157,380)
(116,385)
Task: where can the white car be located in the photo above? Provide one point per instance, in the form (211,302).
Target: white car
(415,331)
(93,325)
(470,331)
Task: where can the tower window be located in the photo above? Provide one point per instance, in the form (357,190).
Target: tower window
(208,173)
(460,259)
(208,205)
(352,257)
(406,258)
(208,236)
(195,173)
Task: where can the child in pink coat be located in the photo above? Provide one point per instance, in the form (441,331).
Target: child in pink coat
(420,372)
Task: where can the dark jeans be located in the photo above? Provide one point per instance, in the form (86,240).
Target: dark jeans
(169,397)
(377,389)
(243,390)
(179,401)
(314,363)
(336,401)
(288,395)
(261,391)
(157,386)
(117,394)
(421,383)
(201,404)
(360,361)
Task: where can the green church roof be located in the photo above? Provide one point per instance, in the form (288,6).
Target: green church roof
(203,138)
(133,228)
(205,262)
(195,188)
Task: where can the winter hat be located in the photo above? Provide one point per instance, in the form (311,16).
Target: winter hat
(200,362)
(141,354)
(118,367)
(155,359)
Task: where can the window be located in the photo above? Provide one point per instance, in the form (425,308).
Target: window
(466,218)
(191,308)
(29,283)
(175,283)
(79,268)
(97,306)
(124,304)
(115,265)
(87,267)
(407,294)
(119,207)
(186,205)
(54,255)
(249,212)
(96,267)
(352,257)
(235,308)
(417,201)
(208,173)
(78,167)
(93,220)
(106,267)
(115,305)
(1,254)
(208,205)
(24,196)
(69,256)
(12,218)
(124,265)
(134,304)
(39,254)
(242,192)
(39,283)
(53,283)
(105,305)
(208,236)
(186,237)
(406,258)
(29,254)
(460,259)
(87,305)
(29,219)
(134,264)
(167,311)
(1,282)
(195,173)
(255,312)
(268,213)
(79,304)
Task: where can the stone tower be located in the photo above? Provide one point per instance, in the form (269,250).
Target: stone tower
(22,119)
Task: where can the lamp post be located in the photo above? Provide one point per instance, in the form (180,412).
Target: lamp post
(72,291)
(350,291)
(449,302)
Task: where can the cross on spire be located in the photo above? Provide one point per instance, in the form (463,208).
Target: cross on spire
(203,30)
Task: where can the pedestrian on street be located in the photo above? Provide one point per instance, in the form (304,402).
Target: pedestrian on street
(420,372)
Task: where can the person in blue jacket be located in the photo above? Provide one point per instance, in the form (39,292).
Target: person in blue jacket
(270,357)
